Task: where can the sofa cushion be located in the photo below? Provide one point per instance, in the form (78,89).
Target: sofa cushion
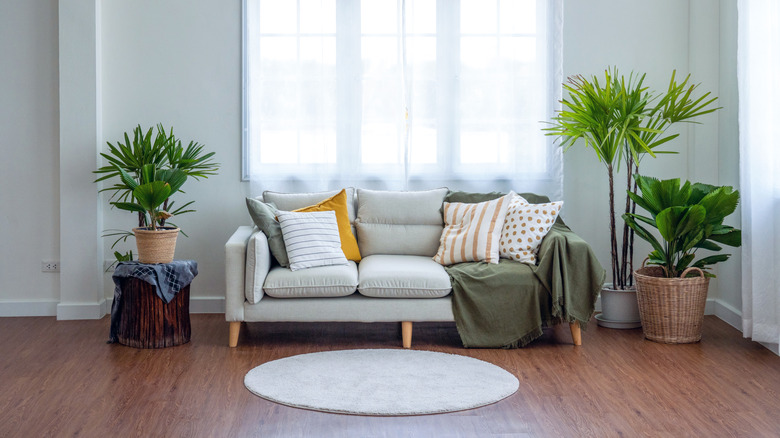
(338,204)
(294,201)
(402,276)
(472,231)
(312,239)
(264,216)
(525,227)
(322,281)
(407,223)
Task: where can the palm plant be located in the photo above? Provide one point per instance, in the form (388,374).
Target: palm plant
(164,151)
(688,218)
(623,122)
(145,158)
(155,188)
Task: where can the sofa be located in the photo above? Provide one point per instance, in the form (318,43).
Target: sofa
(396,280)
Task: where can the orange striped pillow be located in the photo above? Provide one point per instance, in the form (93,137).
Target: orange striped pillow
(472,231)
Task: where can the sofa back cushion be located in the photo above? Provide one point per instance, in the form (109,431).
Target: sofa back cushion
(408,223)
(294,201)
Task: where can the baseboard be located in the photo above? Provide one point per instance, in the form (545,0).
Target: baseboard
(207,305)
(728,313)
(725,311)
(28,308)
(69,311)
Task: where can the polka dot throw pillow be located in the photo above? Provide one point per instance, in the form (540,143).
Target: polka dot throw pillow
(524,228)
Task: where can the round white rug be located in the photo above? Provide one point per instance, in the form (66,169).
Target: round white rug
(381,382)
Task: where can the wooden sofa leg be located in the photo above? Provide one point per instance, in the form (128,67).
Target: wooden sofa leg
(576,332)
(235,328)
(406,334)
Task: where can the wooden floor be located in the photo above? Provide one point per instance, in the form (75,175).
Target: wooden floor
(62,379)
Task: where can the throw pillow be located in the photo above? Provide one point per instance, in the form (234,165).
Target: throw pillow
(264,216)
(524,228)
(338,204)
(472,231)
(312,239)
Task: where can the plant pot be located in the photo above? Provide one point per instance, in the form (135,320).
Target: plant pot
(618,308)
(672,309)
(156,246)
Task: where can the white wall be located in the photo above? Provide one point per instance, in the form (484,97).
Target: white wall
(179,62)
(29,173)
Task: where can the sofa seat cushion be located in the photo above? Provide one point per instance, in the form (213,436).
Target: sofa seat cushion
(321,281)
(402,276)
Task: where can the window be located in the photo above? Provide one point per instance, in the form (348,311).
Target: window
(401,93)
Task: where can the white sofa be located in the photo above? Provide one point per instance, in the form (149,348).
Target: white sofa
(396,280)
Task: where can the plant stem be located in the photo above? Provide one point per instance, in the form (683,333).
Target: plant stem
(612,231)
(631,233)
(624,249)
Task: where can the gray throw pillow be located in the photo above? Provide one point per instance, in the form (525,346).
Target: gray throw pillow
(264,216)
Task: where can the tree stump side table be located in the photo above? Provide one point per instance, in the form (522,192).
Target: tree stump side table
(145,321)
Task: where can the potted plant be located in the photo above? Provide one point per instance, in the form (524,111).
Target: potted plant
(623,123)
(148,171)
(672,293)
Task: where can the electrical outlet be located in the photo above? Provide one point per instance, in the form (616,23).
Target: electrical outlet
(50,266)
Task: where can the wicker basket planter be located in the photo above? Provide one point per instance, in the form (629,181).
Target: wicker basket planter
(671,309)
(156,246)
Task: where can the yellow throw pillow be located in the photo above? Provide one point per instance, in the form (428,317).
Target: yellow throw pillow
(338,204)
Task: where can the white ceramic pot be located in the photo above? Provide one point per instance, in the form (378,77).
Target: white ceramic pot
(619,308)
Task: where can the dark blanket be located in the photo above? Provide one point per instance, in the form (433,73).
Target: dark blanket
(507,304)
(167,278)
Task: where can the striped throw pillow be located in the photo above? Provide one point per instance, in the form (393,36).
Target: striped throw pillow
(312,239)
(472,231)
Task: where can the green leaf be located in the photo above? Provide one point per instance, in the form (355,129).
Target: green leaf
(708,245)
(643,233)
(711,260)
(668,221)
(129,206)
(152,195)
(684,262)
(732,238)
(720,203)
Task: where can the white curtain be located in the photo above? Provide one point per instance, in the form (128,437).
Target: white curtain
(759,138)
(402,94)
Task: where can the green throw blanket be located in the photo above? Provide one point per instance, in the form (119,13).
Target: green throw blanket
(507,304)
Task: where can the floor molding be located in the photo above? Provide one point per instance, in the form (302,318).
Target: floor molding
(28,308)
(725,311)
(88,310)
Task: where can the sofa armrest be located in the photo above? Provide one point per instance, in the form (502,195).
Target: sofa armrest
(235,266)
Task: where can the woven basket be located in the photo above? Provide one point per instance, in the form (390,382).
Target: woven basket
(671,309)
(156,246)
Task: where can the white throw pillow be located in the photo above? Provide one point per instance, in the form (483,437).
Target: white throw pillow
(472,231)
(312,239)
(524,228)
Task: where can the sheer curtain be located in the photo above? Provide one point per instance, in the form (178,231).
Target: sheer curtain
(402,94)
(759,137)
